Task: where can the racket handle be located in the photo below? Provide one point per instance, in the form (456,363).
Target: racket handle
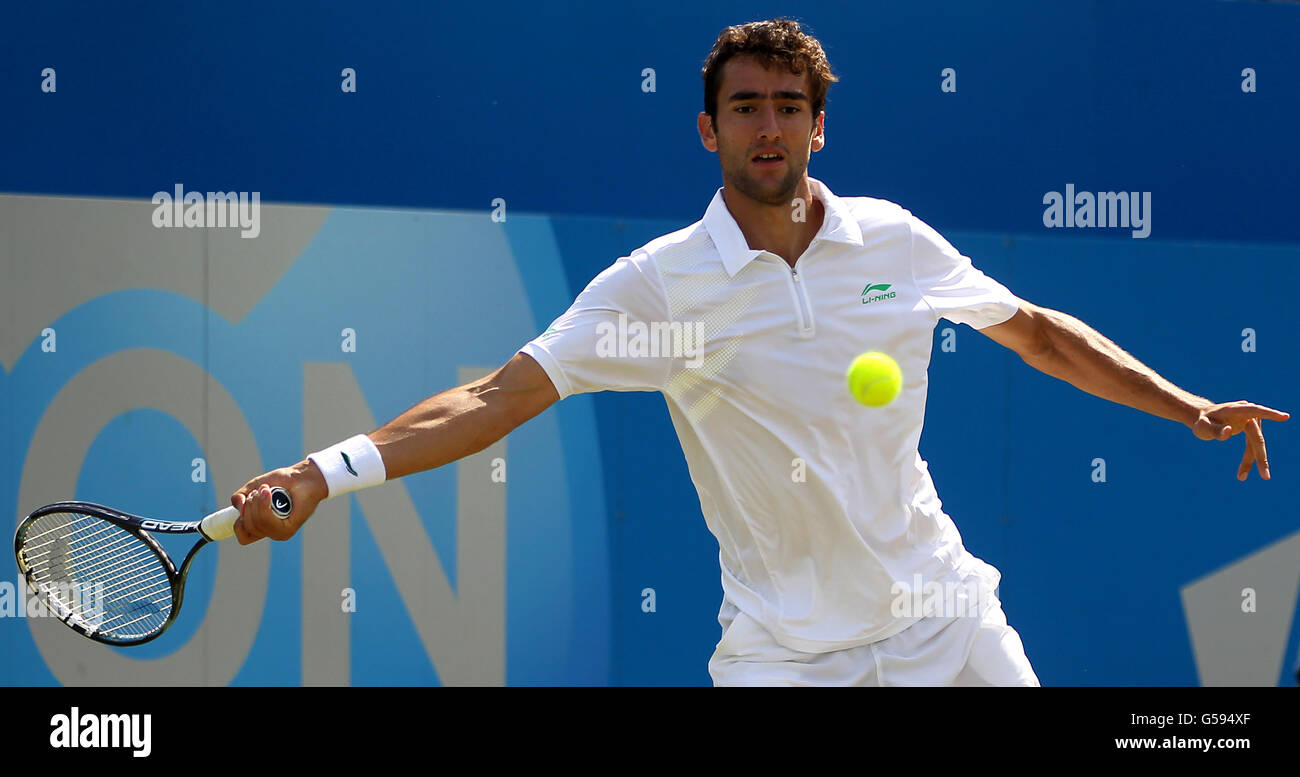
(221,524)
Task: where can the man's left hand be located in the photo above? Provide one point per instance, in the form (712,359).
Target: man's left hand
(1221,421)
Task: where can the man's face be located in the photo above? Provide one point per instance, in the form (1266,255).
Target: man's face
(763,112)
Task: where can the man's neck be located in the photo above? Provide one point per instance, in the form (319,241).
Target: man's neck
(785,230)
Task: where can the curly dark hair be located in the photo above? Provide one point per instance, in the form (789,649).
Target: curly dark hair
(774,41)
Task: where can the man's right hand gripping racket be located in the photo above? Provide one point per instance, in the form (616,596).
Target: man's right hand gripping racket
(101,572)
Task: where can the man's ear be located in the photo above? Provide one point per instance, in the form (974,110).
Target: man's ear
(819,132)
(704,123)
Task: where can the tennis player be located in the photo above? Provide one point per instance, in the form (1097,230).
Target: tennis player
(828,524)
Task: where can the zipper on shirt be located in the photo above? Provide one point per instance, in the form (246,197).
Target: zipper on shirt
(800,290)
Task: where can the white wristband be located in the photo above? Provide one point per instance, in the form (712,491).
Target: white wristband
(350,465)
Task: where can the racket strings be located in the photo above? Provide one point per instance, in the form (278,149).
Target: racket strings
(94,572)
(107,554)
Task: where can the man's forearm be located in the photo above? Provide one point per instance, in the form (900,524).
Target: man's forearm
(441,429)
(1083,357)
(464,420)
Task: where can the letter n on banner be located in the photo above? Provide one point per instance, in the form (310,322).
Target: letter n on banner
(462,632)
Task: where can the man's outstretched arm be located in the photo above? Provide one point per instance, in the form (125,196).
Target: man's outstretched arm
(439,430)
(1064,347)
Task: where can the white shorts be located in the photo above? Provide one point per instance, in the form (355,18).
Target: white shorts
(967,650)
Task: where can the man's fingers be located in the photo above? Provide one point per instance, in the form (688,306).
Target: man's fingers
(1247,458)
(254,520)
(1255,443)
(1220,422)
(243,534)
(257,519)
(1206,428)
(246,526)
(1245,410)
(261,521)
(1269,413)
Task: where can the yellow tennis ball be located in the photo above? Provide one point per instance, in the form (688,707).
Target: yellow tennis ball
(875,379)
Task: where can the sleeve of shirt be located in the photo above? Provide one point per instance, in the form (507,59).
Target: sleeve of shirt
(599,343)
(953,287)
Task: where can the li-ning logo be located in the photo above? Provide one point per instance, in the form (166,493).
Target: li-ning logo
(869,296)
(348,463)
(280,501)
(77,730)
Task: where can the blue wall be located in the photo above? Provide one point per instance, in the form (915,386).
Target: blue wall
(542,105)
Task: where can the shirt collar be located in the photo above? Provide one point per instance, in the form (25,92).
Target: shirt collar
(839,226)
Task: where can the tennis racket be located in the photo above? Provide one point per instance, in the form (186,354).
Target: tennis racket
(101,572)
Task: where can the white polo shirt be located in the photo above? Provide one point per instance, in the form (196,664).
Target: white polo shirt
(819,504)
